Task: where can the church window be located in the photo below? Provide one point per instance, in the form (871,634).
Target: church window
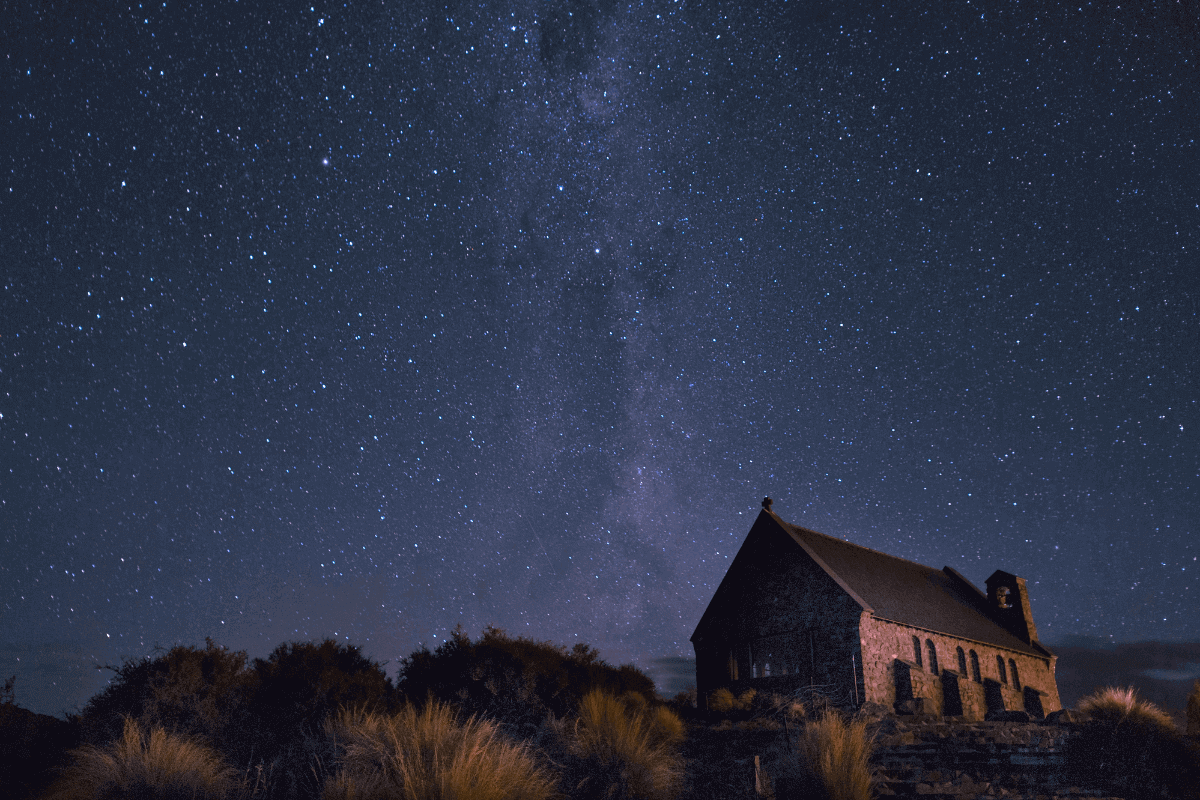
(976,675)
(1002,670)
(933,665)
(1012,665)
(962,663)
(917,651)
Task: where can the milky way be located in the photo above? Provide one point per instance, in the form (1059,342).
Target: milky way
(372,321)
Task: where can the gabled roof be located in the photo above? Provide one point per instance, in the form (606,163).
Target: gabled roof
(904,591)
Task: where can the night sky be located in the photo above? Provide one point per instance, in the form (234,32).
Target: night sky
(370,320)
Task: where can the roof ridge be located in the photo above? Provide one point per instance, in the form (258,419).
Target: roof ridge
(862,547)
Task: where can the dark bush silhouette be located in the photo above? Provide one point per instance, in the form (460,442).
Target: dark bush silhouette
(267,718)
(514,680)
(200,692)
(32,746)
(297,689)
(1132,748)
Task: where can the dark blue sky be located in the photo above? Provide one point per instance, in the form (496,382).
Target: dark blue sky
(371,320)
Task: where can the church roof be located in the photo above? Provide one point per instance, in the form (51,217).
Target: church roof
(904,591)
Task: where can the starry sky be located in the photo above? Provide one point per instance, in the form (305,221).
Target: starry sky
(371,320)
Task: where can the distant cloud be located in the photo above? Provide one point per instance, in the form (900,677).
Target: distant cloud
(671,674)
(1188,672)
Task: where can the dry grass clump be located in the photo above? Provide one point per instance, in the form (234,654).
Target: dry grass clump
(154,765)
(839,753)
(723,701)
(430,755)
(1132,748)
(832,761)
(621,752)
(1124,706)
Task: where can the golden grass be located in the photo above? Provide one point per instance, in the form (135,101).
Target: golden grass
(839,754)
(430,755)
(1117,705)
(721,701)
(154,764)
(618,751)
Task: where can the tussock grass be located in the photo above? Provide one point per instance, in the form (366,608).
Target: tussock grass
(1131,747)
(430,755)
(1117,705)
(839,754)
(621,752)
(154,764)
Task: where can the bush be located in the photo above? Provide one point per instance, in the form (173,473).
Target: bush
(298,688)
(619,752)
(188,690)
(155,766)
(429,754)
(515,680)
(838,755)
(721,701)
(1132,748)
(1124,706)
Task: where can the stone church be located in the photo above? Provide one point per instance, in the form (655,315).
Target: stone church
(799,611)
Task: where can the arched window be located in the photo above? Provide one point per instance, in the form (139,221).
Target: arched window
(1012,665)
(962,663)
(975,674)
(1001,669)
(917,651)
(1002,597)
(933,667)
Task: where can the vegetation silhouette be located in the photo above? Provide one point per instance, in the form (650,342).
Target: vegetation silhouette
(517,681)
(429,754)
(149,765)
(618,748)
(1132,748)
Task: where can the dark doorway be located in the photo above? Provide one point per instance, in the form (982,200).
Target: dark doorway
(951,699)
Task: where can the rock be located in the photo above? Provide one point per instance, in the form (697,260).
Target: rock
(871,711)
(1066,716)
(911,706)
(1007,716)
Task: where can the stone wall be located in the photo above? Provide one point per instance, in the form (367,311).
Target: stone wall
(776,608)
(884,642)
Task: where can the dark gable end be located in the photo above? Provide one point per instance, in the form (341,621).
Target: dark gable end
(774,587)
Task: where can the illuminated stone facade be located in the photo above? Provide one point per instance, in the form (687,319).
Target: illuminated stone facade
(800,612)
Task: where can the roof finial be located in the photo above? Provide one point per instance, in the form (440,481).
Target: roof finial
(767,503)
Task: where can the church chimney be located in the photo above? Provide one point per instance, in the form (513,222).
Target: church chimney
(1009,601)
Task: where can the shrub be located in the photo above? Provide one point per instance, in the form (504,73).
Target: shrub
(1131,747)
(156,766)
(839,754)
(187,690)
(515,680)
(1124,706)
(721,701)
(430,754)
(1193,710)
(619,752)
(298,688)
